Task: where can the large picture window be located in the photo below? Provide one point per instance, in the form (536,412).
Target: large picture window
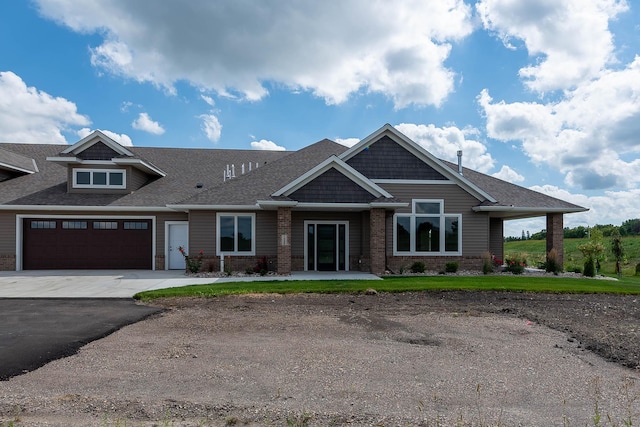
(99,178)
(235,234)
(427,230)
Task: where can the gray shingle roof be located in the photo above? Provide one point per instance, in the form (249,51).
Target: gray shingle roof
(508,194)
(186,167)
(261,183)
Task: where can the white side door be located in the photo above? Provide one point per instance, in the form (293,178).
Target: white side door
(177,235)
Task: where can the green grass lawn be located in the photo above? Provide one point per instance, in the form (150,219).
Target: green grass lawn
(535,251)
(519,283)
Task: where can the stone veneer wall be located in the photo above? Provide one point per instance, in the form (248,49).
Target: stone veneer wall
(555,235)
(433,263)
(284,240)
(7,262)
(377,242)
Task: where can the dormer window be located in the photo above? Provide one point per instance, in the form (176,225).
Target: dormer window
(99,178)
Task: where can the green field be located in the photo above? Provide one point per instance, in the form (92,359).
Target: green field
(535,254)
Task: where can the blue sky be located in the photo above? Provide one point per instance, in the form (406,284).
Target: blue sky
(544,94)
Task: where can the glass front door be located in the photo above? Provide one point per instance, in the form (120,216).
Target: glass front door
(326,246)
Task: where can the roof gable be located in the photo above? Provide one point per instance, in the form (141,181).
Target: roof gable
(332,186)
(98,151)
(344,169)
(98,144)
(97,148)
(432,164)
(386,159)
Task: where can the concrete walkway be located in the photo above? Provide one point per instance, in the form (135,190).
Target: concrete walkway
(126,283)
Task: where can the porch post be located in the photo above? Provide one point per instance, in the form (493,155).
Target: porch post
(284,240)
(555,236)
(377,240)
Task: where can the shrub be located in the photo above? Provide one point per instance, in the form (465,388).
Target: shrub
(487,264)
(589,268)
(192,263)
(516,263)
(552,265)
(451,267)
(417,267)
(261,266)
(638,269)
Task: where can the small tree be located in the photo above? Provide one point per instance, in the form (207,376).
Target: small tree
(592,250)
(617,250)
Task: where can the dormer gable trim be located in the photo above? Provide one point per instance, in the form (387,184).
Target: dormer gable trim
(340,166)
(421,153)
(140,164)
(18,169)
(93,138)
(70,156)
(17,163)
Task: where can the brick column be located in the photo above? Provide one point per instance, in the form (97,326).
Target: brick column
(377,240)
(284,240)
(555,236)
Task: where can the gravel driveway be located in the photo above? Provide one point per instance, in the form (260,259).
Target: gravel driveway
(431,358)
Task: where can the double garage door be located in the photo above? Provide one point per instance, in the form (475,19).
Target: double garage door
(86,244)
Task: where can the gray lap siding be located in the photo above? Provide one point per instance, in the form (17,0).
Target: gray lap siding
(202,236)
(7,241)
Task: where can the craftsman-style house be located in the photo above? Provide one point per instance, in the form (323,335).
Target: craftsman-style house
(378,205)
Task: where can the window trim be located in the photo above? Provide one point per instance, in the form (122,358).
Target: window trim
(412,233)
(235,215)
(99,186)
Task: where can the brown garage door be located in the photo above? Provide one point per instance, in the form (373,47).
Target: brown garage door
(86,244)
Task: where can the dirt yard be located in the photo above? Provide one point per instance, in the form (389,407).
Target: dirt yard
(430,359)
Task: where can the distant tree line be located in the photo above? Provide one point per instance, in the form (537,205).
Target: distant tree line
(630,227)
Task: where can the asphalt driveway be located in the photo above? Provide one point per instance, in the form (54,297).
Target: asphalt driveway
(34,332)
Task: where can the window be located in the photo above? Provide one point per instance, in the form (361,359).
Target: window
(236,234)
(74,225)
(99,178)
(105,225)
(136,225)
(427,230)
(43,224)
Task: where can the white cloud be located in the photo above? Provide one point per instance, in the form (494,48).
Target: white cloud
(211,127)
(590,134)
(445,142)
(347,142)
(209,100)
(30,115)
(264,144)
(144,123)
(339,48)
(122,139)
(570,39)
(507,174)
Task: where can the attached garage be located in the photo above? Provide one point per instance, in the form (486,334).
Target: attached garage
(87,243)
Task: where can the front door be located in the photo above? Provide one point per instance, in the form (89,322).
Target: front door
(177,236)
(326,246)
